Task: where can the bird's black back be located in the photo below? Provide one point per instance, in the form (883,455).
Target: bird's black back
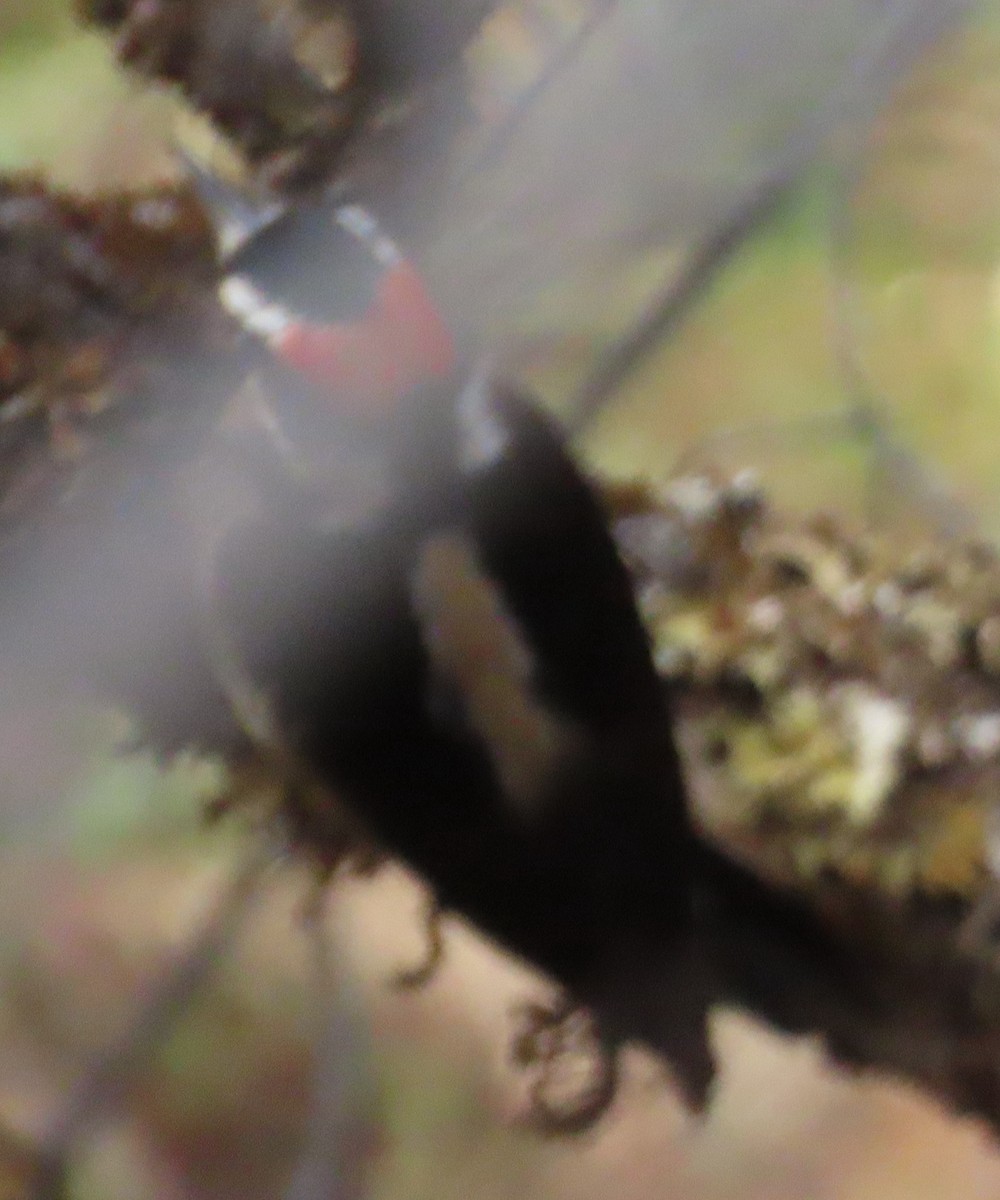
(327,625)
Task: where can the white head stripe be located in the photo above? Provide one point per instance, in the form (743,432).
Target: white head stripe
(362,225)
(250,307)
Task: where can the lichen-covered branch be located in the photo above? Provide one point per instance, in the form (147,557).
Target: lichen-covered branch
(291,83)
(838,698)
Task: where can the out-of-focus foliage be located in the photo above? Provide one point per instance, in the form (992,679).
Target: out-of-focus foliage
(66,108)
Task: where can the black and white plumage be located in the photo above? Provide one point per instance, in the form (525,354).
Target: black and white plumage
(466,669)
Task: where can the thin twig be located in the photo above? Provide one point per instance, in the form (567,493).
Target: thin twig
(569,52)
(672,303)
(332,1157)
(106,1083)
(903,37)
(867,407)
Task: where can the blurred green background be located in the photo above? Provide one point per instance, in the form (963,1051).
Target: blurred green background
(105,869)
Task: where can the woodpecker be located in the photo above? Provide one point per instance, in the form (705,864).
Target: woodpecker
(336,301)
(460,660)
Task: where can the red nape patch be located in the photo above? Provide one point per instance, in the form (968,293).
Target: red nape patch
(374,363)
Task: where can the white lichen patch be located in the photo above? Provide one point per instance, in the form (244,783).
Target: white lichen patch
(695,497)
(940,625)
(978,735)
(766,615)
(158,213)
(878,728)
